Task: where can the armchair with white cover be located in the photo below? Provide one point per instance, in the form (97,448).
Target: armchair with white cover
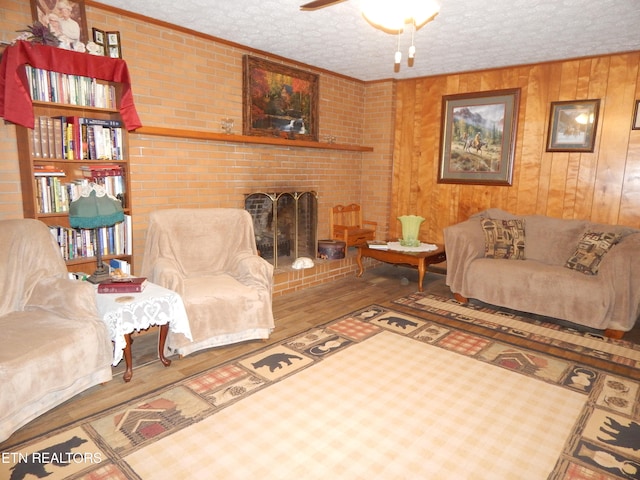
(53,344)
(209,257)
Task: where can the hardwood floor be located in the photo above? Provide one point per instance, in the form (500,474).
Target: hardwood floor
(294,314)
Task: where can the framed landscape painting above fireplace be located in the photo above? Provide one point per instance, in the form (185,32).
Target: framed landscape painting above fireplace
(279,101)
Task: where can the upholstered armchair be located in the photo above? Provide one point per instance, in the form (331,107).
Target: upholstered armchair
(53,344)
(209,257)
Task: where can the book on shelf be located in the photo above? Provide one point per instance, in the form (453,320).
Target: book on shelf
(123,285)
(40,125)
(48,171)
(57,137)
(127,233)
(92,170)
(118,266)
(34,139)
(378,245)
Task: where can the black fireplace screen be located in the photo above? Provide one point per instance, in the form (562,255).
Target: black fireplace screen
(285,225)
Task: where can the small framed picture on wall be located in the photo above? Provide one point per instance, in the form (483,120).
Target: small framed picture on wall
(572,126)
(114,49)
(99,40)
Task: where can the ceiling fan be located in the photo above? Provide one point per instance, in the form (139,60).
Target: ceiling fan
(391,17)
(317,4)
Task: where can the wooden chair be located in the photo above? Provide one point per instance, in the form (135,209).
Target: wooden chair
(346,225)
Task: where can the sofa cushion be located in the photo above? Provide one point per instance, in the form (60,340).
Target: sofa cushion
(590,251)
(504,238)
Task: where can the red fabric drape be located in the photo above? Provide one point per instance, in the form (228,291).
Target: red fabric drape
(15,99)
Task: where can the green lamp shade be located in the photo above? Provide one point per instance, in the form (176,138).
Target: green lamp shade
(95,211)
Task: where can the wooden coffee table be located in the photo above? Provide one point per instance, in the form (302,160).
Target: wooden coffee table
(397,257)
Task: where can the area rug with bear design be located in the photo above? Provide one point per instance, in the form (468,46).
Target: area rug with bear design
(377,393)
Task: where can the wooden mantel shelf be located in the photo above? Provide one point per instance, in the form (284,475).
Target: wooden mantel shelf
(223,137)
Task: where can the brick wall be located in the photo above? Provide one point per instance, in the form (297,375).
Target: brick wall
(187,81)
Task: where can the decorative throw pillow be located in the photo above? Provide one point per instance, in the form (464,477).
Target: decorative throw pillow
(503,238)
(590,251)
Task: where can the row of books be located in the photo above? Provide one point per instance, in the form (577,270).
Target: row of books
(54,193)
(76,138)
(79,243)
(53,196)
(46,86)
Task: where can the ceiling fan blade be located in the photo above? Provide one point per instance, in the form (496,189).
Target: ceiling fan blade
(317,4)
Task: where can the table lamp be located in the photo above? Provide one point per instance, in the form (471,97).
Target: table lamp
(95,208)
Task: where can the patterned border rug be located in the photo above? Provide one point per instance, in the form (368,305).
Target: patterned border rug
(374,394)
(618,352)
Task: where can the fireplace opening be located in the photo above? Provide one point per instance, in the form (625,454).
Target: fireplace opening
(285,225)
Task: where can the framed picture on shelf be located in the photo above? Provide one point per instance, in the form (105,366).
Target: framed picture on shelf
(99,38)
(113,44)
(279,101)
(572,126)
(636,117)
(66,19)
(478,136)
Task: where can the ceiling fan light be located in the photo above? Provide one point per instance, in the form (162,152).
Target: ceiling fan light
(380,15)
(392,16)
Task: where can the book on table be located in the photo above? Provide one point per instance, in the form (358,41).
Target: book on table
(378,245)
(123,285)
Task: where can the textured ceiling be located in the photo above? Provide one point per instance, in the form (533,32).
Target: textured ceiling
(466,35)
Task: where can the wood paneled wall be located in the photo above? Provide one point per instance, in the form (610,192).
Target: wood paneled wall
(603,186)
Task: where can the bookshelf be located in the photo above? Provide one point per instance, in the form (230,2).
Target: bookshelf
(74,132)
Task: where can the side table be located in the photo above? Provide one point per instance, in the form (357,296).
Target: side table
(124,313)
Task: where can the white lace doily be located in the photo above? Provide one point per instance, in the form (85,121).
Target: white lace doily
(424,247)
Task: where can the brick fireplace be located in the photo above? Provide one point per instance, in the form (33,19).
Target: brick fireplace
(285,224)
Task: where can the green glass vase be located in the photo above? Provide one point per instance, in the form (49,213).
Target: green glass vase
(410,230)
